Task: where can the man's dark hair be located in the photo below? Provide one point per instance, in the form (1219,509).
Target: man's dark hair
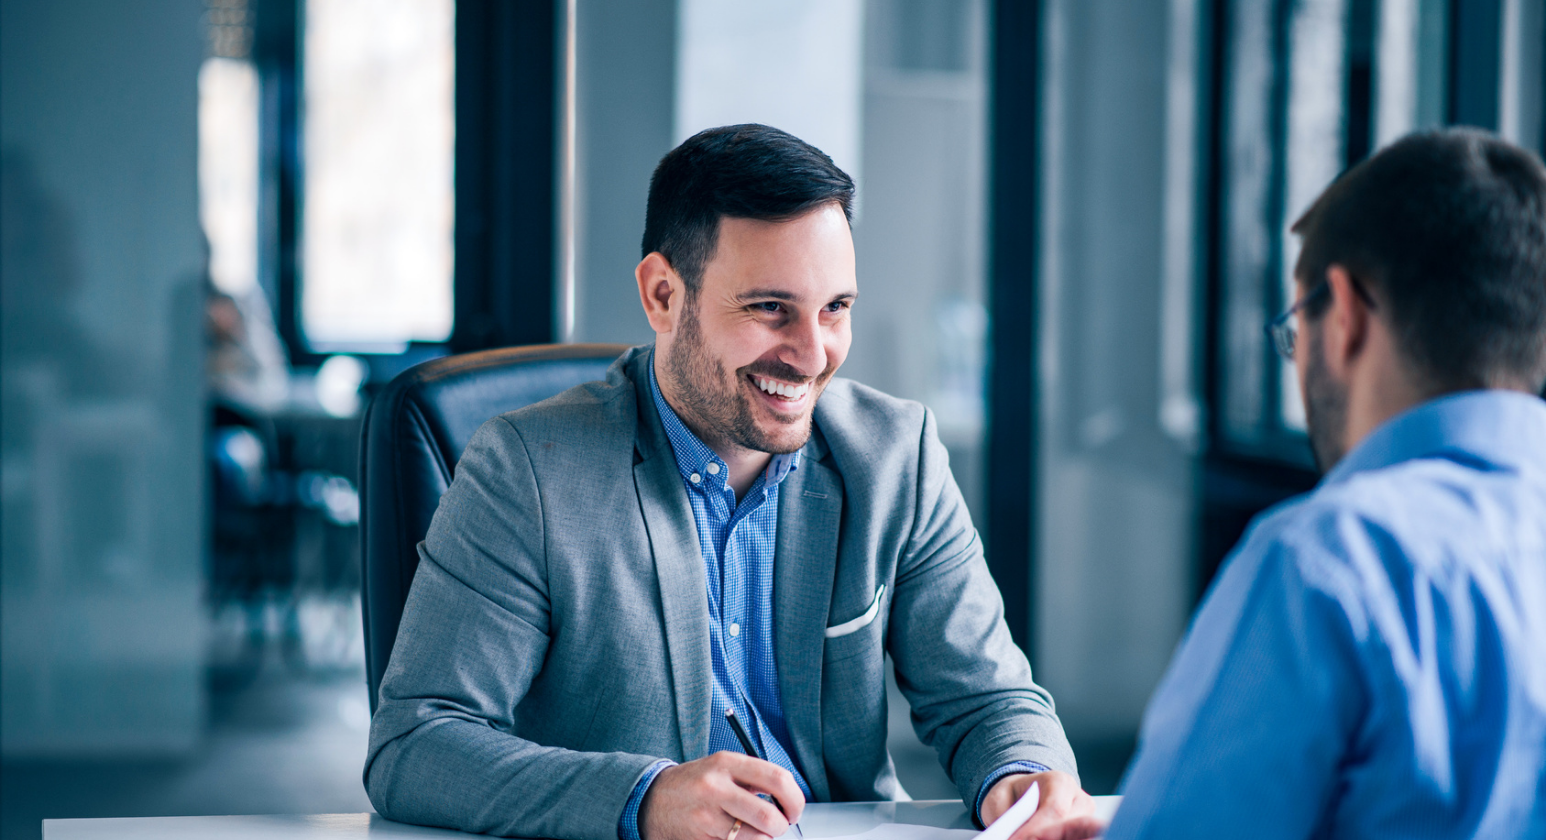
(746,171)
(1447,229)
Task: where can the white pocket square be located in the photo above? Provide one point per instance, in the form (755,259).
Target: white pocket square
(847,627)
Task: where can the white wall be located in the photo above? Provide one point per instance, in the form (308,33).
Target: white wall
(1117,518)
(102,357)
(625,65)
(920,325)
(795,65)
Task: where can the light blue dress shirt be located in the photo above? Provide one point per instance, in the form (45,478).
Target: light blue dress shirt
(1371,662)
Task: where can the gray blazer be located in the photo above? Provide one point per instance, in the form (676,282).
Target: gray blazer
(555,642)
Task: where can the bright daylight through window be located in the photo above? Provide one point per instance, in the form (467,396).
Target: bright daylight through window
(379,130)
(228,171)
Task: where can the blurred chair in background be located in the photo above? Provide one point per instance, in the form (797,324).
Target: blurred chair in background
(281,448)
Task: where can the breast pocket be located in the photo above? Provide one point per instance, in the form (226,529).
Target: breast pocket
(858,634)
(856,624)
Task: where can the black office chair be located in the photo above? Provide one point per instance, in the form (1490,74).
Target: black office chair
(415,432)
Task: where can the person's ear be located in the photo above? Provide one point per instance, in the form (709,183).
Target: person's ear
(661,291)
(1346,330)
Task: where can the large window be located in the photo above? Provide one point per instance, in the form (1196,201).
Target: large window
(1307,88)
(379,132)
(228,170)
(1311,87)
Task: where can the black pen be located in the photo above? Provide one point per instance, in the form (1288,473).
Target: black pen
(751,749)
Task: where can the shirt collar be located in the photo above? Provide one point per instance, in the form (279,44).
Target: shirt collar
(1496,427)
(693,457)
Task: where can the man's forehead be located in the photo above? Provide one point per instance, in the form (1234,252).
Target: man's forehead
(809,256)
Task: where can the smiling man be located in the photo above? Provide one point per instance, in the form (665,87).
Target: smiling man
(720,526)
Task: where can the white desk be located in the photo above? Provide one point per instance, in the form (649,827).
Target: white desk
(820,820)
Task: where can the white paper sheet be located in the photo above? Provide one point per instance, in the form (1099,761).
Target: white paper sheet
(1001,828)
(903,831)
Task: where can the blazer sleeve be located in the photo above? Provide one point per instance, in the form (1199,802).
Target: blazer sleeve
(474,634)
(969,685)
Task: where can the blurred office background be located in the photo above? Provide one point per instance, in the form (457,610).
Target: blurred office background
(227,222)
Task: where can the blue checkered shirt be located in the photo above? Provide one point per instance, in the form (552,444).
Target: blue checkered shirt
(737,540)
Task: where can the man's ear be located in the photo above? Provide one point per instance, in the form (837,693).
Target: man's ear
(661,291)
(1346,330)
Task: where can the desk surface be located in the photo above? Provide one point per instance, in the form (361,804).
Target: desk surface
(820,820)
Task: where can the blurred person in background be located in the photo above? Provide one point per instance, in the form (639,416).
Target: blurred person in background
(246,363)
(1371,662)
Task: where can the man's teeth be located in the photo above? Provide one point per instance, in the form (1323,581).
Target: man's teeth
(783,389)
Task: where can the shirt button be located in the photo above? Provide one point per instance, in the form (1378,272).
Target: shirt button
(695,478)
(735,629)
(713,469)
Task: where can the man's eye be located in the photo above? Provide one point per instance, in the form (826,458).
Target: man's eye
(837,306)
(770,306)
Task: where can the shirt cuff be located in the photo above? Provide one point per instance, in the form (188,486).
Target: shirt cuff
(628,826)
(988,783)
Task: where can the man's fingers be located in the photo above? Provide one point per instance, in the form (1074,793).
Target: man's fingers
(1048,826)
(756,813)
(767,777)
(703,799)
(1078,828)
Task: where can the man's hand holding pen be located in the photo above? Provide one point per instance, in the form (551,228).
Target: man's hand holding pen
(706,798)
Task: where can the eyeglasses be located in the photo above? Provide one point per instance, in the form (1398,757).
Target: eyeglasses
(1284,329)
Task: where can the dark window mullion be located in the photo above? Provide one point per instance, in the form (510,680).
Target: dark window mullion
(1475,44)
(1014,142)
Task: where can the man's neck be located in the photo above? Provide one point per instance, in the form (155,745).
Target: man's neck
(1386,386)
(745,465)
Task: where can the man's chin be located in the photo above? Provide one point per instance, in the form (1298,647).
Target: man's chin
(781,438)
(773,431)
(784,444)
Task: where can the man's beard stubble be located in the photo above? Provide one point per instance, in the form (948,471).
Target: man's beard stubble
(715,397)
(1325,409)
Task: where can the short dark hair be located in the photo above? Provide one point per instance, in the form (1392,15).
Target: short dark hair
(745,171)
(1448,229)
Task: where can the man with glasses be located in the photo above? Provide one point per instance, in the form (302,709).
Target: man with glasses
(1372,660)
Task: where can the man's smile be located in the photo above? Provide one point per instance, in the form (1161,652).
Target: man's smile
(784,397)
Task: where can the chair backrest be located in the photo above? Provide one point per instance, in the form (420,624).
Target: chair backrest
(415,431)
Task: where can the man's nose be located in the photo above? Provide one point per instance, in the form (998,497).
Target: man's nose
(803,347)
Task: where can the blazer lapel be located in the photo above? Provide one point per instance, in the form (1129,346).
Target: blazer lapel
(810,506)
(684,602)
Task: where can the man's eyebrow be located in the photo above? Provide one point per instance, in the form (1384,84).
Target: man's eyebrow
(780,294)
(765,294)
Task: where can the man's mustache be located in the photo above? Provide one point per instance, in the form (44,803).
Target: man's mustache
(779,370)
